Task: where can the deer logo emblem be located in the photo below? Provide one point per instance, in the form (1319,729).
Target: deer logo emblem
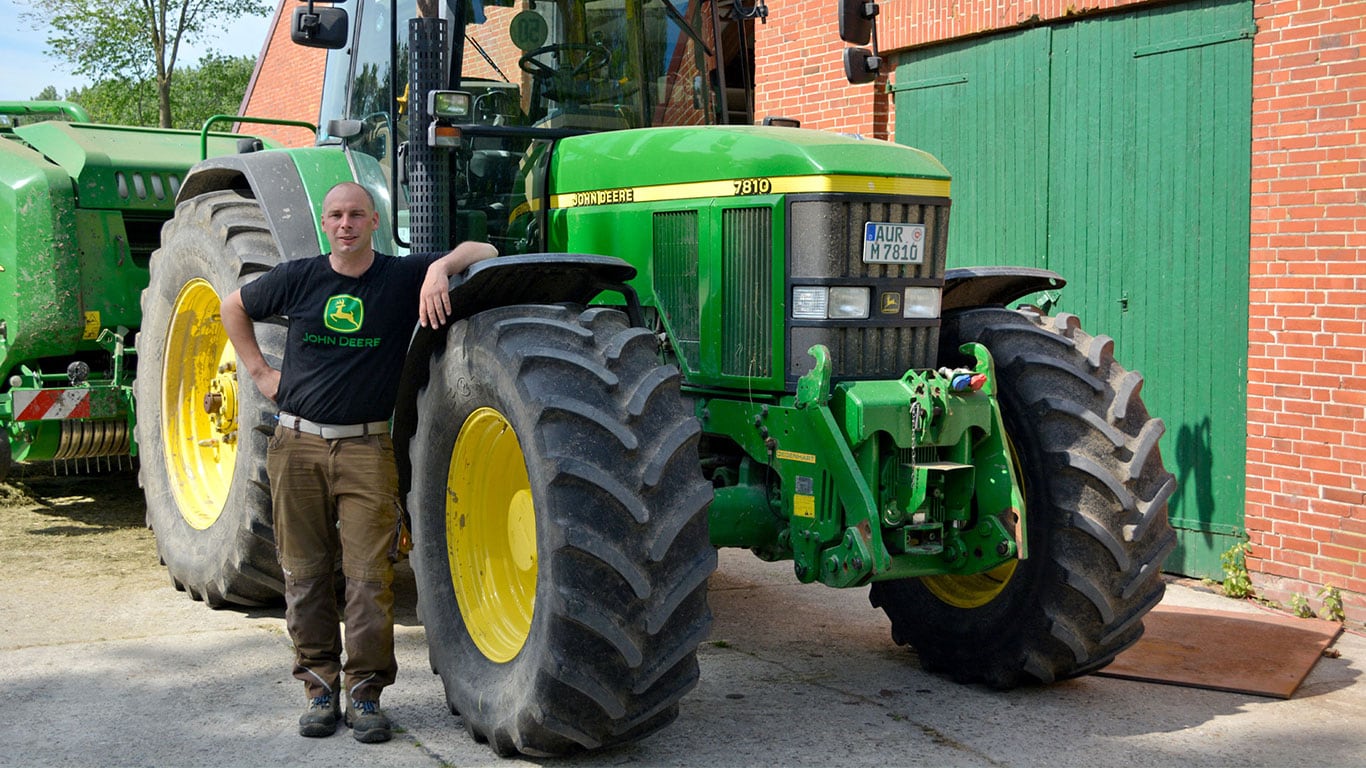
(344,314)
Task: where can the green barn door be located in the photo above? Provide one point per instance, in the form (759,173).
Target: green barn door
(988,103)
(1116,151)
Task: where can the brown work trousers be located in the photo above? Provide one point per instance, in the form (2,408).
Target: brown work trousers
(337,499)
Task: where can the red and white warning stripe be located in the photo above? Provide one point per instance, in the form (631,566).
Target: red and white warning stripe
(37,405)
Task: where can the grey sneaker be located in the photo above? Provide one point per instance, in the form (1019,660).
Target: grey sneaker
(368,722)
(320,719)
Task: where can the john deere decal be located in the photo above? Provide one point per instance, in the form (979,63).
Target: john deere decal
(344,314)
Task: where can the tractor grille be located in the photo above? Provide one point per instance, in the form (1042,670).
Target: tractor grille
(826,247)
(746,295)
(676,281)
(747,306)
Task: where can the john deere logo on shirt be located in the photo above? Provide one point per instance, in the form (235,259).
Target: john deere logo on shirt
(344,314)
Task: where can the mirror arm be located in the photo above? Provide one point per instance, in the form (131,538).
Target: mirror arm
(308,23)
(874,61)
(757,11)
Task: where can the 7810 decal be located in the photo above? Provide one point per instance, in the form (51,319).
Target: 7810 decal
(753,186)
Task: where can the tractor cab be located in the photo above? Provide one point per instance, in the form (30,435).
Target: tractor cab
(602,65)
(516,75)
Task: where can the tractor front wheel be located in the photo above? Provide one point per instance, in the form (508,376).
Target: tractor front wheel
(560,528)
(1096,508)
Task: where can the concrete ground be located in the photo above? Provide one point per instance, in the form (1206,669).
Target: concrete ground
(103,663)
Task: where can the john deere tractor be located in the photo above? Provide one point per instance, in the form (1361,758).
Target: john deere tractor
(702,333)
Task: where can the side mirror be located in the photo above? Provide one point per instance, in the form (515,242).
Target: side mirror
(861,65)
(344,129)
(319,27)
(856,21)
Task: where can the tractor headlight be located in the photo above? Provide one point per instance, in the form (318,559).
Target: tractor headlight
(449,105)
(839,302)
(849,302)
(810,302)
(921,302)
(854,302)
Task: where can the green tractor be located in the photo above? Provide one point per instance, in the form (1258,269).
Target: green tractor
(81,209)
(701,333)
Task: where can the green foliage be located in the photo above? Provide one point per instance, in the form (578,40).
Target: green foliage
(132,42)
(214,87)
(118,102)
(1237,582)
(1332,609)
(1300,607)
(131,39)
(47,94)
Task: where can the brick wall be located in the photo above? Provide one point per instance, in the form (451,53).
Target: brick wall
(799,73)
(287,84)
(1306,457)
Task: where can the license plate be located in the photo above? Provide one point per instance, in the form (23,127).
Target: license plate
(888,243)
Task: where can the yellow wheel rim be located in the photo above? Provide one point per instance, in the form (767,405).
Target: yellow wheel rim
(978,589)
(491,535)
(199,406)
(972,591)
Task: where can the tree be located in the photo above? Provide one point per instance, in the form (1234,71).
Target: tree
(132,41)
(47,94)
(118,102)
(214,86)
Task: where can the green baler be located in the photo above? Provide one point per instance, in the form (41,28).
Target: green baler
(81,209)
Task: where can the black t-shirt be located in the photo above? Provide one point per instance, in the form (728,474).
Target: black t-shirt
(347,335)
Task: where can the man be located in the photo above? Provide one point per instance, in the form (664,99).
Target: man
(333,478)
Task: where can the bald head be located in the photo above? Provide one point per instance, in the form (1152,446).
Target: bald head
(349,221)
(348,188)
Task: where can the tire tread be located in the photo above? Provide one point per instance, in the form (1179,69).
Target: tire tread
(624,557)
(1096,513)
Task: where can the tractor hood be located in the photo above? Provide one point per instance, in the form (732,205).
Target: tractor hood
(122,168)
(657,156)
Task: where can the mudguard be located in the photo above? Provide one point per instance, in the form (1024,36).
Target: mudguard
(994,286)
(290,185)
(532,278)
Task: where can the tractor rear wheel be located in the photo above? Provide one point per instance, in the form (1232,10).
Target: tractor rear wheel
(202,450)
(560,527)
(1096,508)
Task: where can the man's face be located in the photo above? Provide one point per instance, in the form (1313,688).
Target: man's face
(348,221)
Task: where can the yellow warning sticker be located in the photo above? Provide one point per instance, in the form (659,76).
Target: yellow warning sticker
(805,458)
(804,506)
(92,326)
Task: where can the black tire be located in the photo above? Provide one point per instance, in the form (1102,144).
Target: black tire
(1096,496)
(621,549)
(207,498)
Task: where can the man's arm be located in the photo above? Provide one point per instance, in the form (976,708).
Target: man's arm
(242,332)
(434,303)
